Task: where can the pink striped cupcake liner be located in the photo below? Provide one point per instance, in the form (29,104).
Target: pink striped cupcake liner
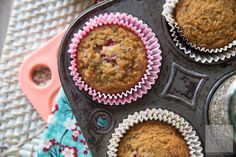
(153,54)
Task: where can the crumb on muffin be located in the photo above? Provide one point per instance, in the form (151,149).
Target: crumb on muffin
(153,139)
(111,59)
(207,23)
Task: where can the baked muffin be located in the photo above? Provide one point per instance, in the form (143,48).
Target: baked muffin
(111,59)
(207,23)
(153,139)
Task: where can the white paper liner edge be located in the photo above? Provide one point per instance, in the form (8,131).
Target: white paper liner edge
(204,57)
(187,131)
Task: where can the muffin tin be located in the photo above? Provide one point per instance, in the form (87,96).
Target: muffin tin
(183,85)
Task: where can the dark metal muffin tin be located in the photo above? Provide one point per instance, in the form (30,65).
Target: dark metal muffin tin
(183,85)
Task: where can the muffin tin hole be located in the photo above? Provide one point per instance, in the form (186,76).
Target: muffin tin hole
(41,75)
(102,121)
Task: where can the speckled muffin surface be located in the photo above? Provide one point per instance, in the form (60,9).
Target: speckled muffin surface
(111,59)
(153,139)
(207,23)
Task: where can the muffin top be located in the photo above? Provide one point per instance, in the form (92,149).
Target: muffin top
(207,23)
(152,139)
(111,59)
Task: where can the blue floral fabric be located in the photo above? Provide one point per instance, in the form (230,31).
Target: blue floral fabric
(63,137)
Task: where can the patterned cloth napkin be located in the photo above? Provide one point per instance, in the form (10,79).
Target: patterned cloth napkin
(63,137)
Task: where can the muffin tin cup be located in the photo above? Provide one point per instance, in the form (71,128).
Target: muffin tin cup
(187,131)
(230,99)
(153,53)
(168,13)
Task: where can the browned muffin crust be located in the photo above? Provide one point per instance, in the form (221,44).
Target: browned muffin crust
(153,139)
(111,59)
(207,23)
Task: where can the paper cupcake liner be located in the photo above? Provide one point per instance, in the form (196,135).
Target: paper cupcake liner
(202,57)
(187,131)
(153,53)
(168,13)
